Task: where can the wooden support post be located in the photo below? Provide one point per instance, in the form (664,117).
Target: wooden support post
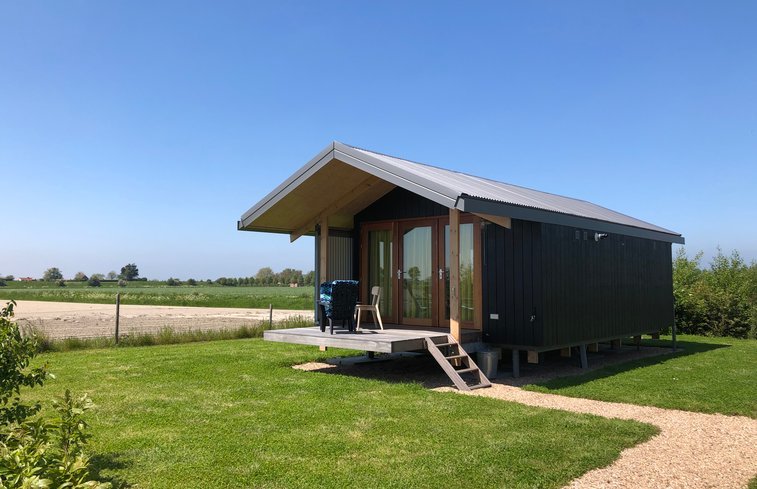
(565,352)
(655,336)
(593,347)
(615,344)
(454,274)
(533,357)
(584,360)
(323,260)
(516,363)
(637,341)
(323,348)
(270,315)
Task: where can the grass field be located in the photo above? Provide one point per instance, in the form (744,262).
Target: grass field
(711,375)
(234,414)
(160,294)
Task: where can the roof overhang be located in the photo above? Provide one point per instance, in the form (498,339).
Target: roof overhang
(483,206)
(340,181)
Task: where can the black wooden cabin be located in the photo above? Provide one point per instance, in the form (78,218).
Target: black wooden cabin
(534,271)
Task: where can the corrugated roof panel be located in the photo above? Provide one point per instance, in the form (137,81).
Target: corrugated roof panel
(460,184)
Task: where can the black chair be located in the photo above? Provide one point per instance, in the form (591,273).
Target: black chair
(337,302)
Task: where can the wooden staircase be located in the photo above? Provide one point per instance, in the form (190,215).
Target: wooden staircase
(457,364)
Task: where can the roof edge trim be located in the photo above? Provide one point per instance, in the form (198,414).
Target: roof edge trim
(472,204)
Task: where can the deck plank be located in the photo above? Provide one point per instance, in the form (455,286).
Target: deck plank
(390,340)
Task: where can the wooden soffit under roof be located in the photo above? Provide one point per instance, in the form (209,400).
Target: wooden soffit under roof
(335,191)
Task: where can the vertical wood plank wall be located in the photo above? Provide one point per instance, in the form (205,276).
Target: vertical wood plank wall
(576,288)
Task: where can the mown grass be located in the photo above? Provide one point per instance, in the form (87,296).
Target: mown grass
(160,294)
(710,375)
(235,414)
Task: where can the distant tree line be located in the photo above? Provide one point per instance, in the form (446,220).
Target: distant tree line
(267,277)
(719,300)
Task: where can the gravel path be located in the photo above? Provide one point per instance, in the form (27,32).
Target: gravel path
(692,450)
(69,319)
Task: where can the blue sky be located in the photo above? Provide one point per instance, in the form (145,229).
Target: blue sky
(141,131)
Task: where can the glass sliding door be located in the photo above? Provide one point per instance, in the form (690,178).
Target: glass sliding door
(381,268)
(418,273)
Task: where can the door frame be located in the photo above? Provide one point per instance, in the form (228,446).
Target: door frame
(438,256)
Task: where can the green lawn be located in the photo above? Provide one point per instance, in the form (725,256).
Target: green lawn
(711,375)
(234,414)
(160,294)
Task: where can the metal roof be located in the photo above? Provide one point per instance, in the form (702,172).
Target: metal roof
(468,193)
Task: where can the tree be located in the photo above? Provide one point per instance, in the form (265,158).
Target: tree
(97,276)
(191,281)
(112,275)
(81,277)
(264,276)
(130,271)
(52,274)
(173,282)
(93,282)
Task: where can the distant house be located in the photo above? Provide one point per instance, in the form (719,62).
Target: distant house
(26,279)
(535,271)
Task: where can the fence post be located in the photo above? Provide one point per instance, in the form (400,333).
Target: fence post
(270,315)
(118,311)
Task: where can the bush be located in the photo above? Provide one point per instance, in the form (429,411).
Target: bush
(2,283)
(61,282)
(36,452)
(81,277)
(173,282)
(192,282)
(122,283)
(718,301)
(93,282)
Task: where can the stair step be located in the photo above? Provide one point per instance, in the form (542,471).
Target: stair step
(453,357)
(479,386)
(444,344)
(466,370)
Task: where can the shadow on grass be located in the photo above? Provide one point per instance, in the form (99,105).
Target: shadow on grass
(684,349)
(553,371)
(108,462)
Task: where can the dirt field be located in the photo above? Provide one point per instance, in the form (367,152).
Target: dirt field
(68,319)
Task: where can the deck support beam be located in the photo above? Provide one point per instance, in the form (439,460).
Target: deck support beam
(454,274)
(533,357)
(516,363)
(582,351)
(593,347)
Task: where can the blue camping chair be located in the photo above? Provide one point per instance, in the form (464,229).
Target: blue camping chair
(337,302)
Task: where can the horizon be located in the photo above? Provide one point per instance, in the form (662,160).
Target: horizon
(119,148)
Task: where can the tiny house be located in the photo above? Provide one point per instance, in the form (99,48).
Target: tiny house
(527,270)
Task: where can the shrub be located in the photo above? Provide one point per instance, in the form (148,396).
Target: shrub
(35,452)
(93,282)
(192,282)
(122,283)
(2,283)
(173,282)
(81,277)
(718,301)
(60,282)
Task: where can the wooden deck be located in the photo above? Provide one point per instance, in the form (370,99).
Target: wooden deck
(393,339)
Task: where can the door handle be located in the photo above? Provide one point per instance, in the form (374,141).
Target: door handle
(441,274)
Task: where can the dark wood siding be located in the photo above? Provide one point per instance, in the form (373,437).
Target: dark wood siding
(617,286)
(578,289)
(400,204)
(512,283)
